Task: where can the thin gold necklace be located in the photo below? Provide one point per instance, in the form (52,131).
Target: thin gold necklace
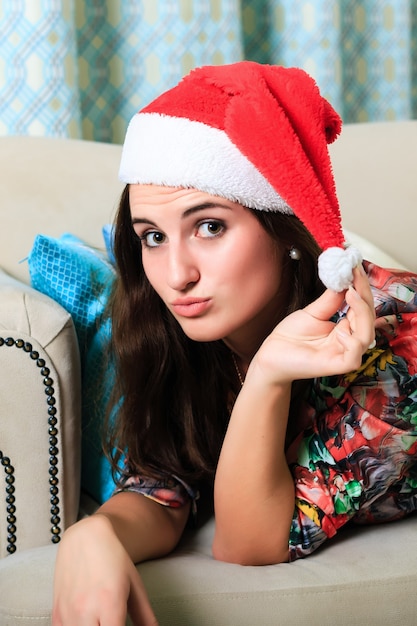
(239,375)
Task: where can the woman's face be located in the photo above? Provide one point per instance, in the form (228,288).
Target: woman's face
(209,259)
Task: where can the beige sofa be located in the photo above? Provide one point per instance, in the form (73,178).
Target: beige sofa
(367,576)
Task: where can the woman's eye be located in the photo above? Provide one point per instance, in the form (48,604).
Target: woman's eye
(152,239)
(210,229)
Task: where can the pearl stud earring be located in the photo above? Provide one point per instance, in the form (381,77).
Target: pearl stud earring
(294,253)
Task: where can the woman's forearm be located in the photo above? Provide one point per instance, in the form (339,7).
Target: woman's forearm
(254,490)
(145,528)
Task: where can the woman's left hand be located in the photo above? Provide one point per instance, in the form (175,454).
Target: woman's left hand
(306,344)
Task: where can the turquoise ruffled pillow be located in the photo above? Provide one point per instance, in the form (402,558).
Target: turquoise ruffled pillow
(80,278)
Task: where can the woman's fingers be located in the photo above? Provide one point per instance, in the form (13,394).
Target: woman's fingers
(326,305)
(139,607)
(352,349)
(361,317)
(361,285)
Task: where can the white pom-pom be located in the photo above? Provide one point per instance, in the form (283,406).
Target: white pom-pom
(336,267)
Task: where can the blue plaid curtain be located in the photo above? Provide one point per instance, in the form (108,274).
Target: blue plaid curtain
(81,68)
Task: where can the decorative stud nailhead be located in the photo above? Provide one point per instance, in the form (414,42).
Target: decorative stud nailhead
(53,453)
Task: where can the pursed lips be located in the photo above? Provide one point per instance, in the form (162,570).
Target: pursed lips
(191,307)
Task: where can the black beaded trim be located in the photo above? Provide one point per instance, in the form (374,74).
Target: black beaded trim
(53,451)
(10,499)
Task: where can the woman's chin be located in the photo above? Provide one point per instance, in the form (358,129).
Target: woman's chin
(200,332)
(202,337)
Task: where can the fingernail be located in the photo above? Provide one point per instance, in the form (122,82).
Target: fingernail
(352,290)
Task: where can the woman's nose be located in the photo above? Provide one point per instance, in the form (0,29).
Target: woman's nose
(182,268)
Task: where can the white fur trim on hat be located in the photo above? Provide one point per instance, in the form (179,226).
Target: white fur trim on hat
(336,267)
(178,152)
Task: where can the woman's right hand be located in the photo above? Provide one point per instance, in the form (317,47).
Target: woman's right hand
(306,344)
(96,581)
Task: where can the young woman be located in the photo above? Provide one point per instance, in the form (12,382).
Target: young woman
(246,377)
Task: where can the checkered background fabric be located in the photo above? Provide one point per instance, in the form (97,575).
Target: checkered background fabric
(81,68)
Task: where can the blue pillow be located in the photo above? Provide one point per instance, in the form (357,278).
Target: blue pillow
(80,278)
(108,236)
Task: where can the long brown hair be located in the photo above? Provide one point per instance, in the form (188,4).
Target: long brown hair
(173,395)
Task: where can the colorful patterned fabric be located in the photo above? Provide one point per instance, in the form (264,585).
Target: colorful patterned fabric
(355,458)
(170,491)
(358,458)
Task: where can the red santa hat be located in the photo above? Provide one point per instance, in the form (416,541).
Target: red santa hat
(254,134)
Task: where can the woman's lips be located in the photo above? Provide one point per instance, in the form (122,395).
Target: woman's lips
(191,307)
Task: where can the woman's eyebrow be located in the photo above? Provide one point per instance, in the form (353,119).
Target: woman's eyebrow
(203,206)
(142,220)
(187,212)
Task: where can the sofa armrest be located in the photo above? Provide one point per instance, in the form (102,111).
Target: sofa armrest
(40,418)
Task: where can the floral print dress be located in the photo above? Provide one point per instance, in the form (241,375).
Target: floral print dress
(355,458)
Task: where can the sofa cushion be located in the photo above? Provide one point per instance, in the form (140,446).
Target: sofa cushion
(367,576)
(80,278)
(39,418)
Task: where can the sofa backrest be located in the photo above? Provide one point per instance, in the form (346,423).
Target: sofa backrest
(375,166)
(52,186)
